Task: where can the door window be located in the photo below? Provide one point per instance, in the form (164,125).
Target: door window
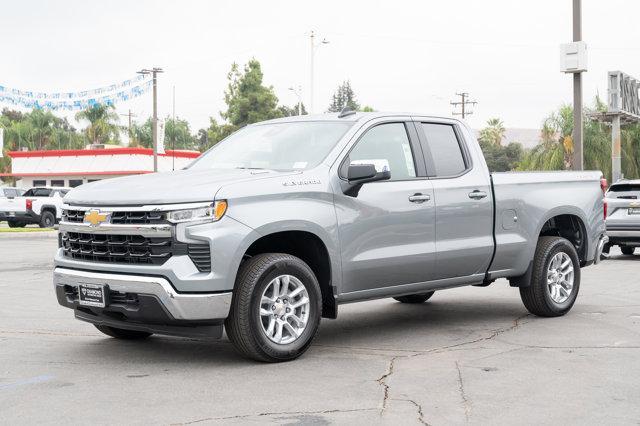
(445,149)
(388,142)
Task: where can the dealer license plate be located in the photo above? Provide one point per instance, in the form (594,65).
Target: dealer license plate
(92,295)
(634,210)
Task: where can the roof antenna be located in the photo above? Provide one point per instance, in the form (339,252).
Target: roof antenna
(345,112)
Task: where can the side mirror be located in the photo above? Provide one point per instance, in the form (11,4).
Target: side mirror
(361,172)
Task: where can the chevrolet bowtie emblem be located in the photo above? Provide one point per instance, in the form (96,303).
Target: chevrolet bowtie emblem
(95,218)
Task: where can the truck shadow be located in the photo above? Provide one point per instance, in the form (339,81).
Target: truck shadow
(385,325)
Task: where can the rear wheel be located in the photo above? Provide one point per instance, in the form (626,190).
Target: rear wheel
(415,298)
(47,219)
(276,308)
(555,279)
(16,224)
(121,333)
(628,251)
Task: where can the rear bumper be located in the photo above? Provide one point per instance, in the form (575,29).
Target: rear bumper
(25,217)
(145,303)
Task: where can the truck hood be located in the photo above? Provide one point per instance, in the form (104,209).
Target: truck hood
(183,186)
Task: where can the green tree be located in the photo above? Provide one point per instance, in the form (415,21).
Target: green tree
(177,134)
(102,127)
(501,158)
(292,111)
(343,97)
(493,133)
(248,101)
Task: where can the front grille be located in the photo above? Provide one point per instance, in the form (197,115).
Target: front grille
(132,249)
(200,255)
(120,217)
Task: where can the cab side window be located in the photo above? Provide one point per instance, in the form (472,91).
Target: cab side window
(387,142)
(445,149)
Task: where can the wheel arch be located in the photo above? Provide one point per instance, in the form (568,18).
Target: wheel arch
(309,246)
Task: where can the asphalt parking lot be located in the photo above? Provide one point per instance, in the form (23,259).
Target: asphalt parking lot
(469,355)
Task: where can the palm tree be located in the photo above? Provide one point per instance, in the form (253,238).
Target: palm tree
(101,118)
(494,132)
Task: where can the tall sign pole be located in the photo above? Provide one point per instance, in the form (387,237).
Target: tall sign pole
(154,73)
(578,157)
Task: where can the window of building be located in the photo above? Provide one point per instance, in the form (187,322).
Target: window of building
(39,183)
(73,183)
(445,149)
(58,182)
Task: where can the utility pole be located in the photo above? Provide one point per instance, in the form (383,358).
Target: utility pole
(578,156)
(154,72)
(464,96)
(129,115)
(313,48)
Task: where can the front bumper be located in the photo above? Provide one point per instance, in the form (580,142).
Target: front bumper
(158,307)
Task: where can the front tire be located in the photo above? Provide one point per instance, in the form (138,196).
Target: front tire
(276,308)
(415,298)
(555,279)
(121,333)
(16,224)
(47,219)
(628,251)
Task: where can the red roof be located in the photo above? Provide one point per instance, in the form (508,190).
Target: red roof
(94,152)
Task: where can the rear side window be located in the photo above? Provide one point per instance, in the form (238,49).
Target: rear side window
(10,193)
(445,149)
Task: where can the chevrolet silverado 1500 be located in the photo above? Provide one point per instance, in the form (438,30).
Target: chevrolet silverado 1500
(283,221)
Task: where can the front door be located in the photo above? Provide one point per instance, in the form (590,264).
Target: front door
(387,232)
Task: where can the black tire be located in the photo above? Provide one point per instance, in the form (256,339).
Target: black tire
(121,333)
(415,298)
(16,224)
(244,324)
(536,297)
(47,219)
(627,251)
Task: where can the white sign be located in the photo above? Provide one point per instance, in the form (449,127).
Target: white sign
(161,124)
(624,94)
(573,57)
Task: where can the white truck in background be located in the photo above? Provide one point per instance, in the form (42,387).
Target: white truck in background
(40,205)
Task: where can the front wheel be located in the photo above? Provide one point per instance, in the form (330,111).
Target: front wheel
(415,298)
(555,279)
(276,308)
(121,333)
(16,224)
(627,251)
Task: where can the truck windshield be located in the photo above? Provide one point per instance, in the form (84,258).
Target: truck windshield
(278,146)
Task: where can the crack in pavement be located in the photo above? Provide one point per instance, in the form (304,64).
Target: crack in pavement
(418,407)
(382,380)
(465,400)
(242,416)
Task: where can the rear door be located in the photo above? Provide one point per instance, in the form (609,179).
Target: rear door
(387,231)
(463,201)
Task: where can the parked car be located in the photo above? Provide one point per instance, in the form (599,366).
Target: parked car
(623,216)
(40,205)
(283,221)
(7,200)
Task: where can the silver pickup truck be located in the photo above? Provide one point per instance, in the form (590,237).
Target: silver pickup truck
(283,221)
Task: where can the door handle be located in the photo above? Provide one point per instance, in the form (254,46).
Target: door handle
(419,198)
(477,195)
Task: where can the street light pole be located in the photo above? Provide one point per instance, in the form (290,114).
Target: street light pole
(578,156)
(299,95)
(313,47)
(154,72)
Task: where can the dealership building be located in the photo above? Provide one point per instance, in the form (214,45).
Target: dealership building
(72,168)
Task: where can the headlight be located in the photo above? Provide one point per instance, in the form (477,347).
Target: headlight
(211,213)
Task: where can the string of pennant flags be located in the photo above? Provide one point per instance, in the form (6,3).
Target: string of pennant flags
(69,101)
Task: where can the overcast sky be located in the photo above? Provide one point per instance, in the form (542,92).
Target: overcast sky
(399,55)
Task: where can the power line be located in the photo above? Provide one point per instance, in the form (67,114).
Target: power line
(130,115)
(464,101)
